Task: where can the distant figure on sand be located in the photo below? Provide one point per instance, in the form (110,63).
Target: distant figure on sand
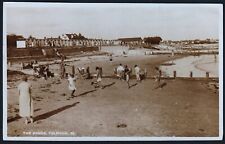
(215,58)
(143,74)
(71,81)
(25,100)
(172,53)
(159,84)
(120,71)
(110,57)
(127,72)
(158,76)
(137,72)
(88,74)
(99,78)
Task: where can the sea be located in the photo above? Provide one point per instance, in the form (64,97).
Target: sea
(198,65)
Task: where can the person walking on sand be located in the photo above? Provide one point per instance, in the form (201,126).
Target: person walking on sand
(137,72)
(99,78)
(127,72)
(157,77)
(88,74)
(120,71)
(25,100)
(71,81)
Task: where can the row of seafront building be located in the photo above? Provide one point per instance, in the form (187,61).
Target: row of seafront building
(71,40)
(56,42)
(18,46)
(67,40)
(62,42)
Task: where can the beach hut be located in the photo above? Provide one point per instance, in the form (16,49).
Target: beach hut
(132,41)
(21,43)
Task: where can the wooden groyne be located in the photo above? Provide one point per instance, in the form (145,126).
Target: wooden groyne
(167,78)
(194,53)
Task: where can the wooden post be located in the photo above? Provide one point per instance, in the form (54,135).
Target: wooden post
(22,65)
(191,74)
(145,73)
(174,74)
(207,75)
(73,70)
(64,72)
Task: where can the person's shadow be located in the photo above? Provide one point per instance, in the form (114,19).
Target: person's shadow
(54,112)
(161,85)
(84,93)
(108,85)
(17,117)
(133,85)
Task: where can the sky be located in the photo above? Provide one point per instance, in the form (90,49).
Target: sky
(113,21)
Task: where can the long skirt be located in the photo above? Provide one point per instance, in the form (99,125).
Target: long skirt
(138,76)
(26,106)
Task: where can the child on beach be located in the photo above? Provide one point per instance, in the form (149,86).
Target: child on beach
(137,73)
(127,72)
(99,78)
(71,81)
(158,76)
(88,74)
(120,71)
(143,74)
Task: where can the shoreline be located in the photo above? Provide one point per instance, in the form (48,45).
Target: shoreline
(103,55)
(203,68)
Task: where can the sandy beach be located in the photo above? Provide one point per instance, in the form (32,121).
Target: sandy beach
(183,108)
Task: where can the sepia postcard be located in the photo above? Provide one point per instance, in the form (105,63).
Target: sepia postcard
(75,71)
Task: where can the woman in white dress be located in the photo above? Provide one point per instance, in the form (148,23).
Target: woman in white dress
(71,81)
(137,72)
(25,101)
(120,71)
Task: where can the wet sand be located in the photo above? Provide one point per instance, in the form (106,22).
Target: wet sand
(180,108)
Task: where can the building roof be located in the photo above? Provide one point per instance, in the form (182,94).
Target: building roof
(53,38)
(15,37)
(130,39)
(21,39)
(75,36)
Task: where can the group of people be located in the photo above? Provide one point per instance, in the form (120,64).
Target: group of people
(84,72)
(25,99)
(43,71)
(30,65)
(38,70)
(123,72)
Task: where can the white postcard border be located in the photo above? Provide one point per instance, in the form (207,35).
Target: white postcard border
(31,4)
